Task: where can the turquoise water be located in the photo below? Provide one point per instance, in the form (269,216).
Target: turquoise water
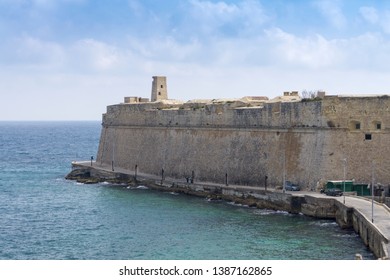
(43,216)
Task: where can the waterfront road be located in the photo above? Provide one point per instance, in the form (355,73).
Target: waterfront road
(377,213)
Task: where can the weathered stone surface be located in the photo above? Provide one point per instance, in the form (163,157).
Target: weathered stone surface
(90,175)
(249,144)
(79,174)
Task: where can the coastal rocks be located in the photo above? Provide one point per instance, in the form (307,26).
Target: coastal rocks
(86,175)
(82,176)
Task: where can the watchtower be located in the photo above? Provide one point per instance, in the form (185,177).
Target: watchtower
(159,88)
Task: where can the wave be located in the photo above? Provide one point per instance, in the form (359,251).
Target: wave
(238,204)
(212,199)
(324,223)
(174,193)
(137,188)
(264,212)
(347,235)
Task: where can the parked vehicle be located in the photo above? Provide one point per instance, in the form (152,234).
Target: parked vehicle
(291,187)
(333,192)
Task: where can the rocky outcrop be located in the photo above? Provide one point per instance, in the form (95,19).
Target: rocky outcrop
(82,175)
(90,175)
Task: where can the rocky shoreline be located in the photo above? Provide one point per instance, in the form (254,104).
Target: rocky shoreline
(243,196)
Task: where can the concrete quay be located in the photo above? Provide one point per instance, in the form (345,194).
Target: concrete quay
(370,220)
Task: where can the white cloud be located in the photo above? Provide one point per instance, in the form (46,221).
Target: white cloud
(44,3)
(245,16)
(82,56)
(220,10)
(332,12)
(367,52)
(377,18)
(385,21)
(34,52)
(53,3)
(165,48)
(275,48)
(218,49)
(370,14)
(92,71)
(39,4)
(97,55)
(311,52)
(136,7)
(12,3)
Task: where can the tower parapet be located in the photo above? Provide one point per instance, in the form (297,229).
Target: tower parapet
(159,88)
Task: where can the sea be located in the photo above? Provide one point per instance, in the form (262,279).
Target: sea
(45,217)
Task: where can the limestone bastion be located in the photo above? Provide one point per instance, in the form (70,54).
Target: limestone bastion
(251,141)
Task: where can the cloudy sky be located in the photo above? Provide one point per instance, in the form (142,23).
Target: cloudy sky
(68,59)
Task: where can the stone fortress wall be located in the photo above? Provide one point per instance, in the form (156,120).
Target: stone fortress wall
(251,140)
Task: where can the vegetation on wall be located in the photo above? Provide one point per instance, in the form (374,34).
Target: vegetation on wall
(310,95)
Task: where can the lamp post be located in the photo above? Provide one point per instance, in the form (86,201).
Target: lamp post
(345,166)
(284,171)
(372,192)
(113,155)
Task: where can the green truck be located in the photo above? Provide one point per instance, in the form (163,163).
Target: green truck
(361,189)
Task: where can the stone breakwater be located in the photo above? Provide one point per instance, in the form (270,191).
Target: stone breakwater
(307,203)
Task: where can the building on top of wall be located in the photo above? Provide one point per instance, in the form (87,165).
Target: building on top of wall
(159,88)
(135,99)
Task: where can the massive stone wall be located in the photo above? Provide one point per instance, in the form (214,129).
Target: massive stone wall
(309,140)
(247,156)
(366,146)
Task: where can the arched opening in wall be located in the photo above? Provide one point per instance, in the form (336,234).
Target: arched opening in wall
(354,125)
(159,93)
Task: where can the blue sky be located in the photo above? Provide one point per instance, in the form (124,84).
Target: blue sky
(69,59)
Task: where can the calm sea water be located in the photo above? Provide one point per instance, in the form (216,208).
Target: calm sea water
(43,216)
